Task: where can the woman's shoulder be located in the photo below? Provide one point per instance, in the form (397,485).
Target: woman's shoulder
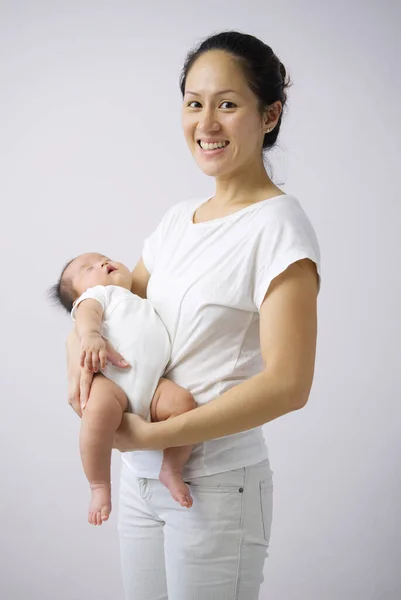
(285,209)
(282,205)
(285,221)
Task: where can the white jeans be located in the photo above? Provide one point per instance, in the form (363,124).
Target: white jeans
(213,551)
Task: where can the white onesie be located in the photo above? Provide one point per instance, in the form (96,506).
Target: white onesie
(134,329)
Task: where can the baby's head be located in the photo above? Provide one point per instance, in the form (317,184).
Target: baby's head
(86,271)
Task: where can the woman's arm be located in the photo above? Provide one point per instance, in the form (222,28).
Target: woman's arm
(288,330)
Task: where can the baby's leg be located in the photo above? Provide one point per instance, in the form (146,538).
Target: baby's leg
(168,401)
(100,419)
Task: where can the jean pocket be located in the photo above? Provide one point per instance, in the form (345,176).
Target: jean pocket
(215,489)
(266,506)
(230,482)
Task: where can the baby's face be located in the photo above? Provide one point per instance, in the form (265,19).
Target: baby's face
(92,269)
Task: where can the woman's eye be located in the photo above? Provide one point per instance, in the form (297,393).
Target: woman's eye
(228,105)
(192,104)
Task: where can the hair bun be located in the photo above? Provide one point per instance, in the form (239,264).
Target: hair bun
(283,73)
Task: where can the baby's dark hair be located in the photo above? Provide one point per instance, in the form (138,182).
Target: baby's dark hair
(265,73)
(62,292)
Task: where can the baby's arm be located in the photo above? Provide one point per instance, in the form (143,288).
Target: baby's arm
(88,325)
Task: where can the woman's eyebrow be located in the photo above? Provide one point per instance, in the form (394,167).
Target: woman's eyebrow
(216,94)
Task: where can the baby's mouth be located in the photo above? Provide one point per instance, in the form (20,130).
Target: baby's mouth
(110,269)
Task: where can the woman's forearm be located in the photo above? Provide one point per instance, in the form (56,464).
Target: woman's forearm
(258,400)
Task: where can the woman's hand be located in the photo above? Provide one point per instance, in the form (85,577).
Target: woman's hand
(135,433)
(80,378)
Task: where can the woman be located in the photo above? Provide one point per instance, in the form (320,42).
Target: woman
(235,280)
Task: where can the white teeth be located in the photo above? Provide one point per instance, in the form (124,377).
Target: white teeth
(213,146)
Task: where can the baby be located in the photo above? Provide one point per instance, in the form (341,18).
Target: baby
(97,292)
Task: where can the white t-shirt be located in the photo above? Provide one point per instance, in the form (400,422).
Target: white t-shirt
(132,326)
(208,281)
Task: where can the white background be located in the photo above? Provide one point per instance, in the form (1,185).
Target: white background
(92,155)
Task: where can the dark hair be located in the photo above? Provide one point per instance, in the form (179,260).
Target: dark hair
(265,74)
(62,292)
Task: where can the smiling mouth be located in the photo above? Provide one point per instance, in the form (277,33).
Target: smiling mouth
(213,145)
(110,269)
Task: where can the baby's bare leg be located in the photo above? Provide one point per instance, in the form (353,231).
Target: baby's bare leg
(168,401)
(100,420)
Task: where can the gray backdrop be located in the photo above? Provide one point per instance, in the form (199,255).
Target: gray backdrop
(91,156)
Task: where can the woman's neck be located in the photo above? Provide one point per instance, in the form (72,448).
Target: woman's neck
(245,187)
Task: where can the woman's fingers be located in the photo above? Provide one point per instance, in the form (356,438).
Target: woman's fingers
(103,359)
(88,361)
(74,397)
(85,386)
(115,358)
(79,390)
(95,361)
(74,355)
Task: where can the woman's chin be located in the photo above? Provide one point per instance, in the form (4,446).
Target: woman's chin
(212,170)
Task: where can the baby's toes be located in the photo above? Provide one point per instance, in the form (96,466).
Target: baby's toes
(104,513)
(183,499)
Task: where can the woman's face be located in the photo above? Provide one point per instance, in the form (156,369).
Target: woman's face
(221,119)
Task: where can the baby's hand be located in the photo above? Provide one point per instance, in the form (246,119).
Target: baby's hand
(93,352)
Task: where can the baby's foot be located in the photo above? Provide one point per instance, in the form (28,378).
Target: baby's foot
(100,505)
(175,484)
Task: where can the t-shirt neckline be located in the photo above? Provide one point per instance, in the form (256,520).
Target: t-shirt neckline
(232,215)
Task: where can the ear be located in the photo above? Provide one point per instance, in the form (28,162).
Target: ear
(271,116)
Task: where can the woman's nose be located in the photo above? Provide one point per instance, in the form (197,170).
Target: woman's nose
(208,122)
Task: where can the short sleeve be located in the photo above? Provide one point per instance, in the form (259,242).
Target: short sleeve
(99,293)
(288,237)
